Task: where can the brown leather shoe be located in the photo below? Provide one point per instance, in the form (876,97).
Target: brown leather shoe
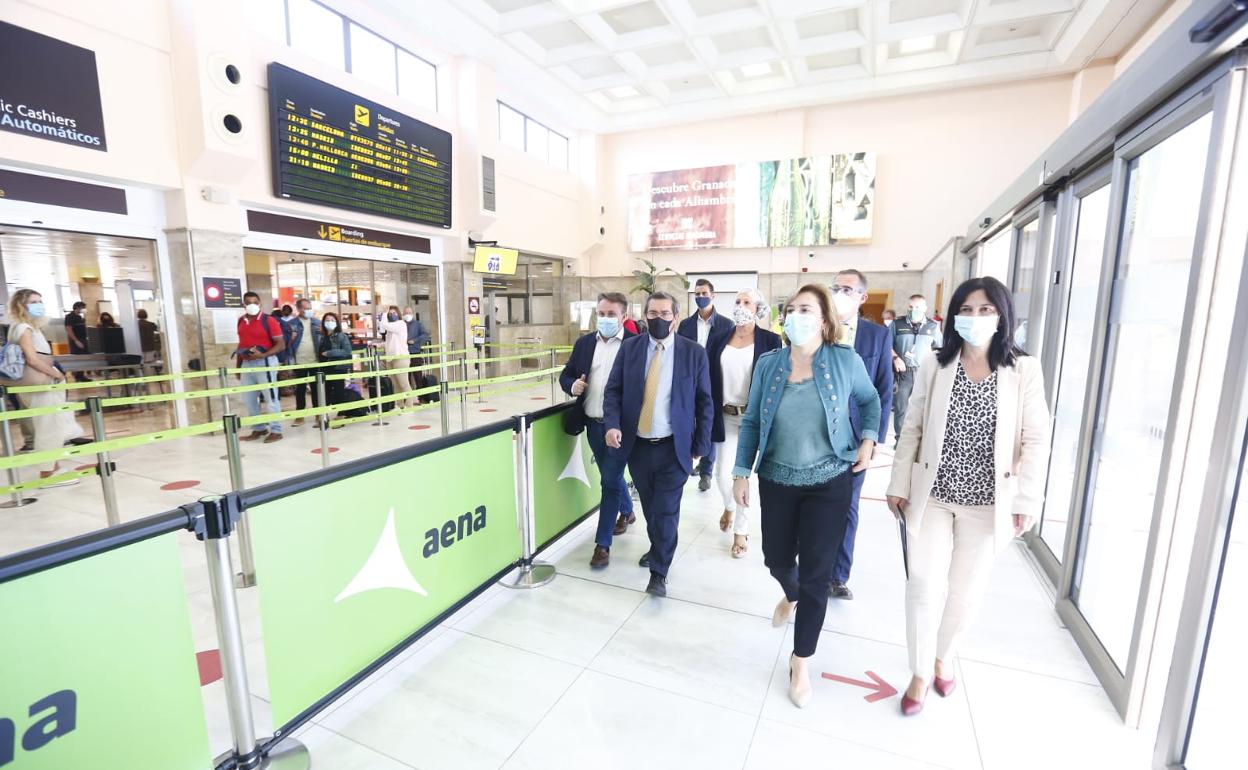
(255,434)
(272,437)
(622,523)
(601,558)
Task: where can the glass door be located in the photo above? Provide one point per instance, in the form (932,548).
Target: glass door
(1076,288)
(1161,211)
(1027,239)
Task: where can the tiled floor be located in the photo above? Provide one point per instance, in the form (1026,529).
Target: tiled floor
(588,671)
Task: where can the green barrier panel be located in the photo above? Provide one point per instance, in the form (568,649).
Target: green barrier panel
(26,486)
(110,445)
(566,482)
(98,665)
(350,569)
(34,411)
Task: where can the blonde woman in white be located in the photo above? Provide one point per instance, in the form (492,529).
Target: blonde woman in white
(395,344)
(968,475)
(28,317)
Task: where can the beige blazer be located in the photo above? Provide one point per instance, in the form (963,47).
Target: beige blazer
(1022,442)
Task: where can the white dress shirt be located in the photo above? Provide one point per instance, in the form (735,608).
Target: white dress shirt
(704,327)
(605,351)
(662,427)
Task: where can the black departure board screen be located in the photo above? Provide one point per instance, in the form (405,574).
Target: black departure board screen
(338,149)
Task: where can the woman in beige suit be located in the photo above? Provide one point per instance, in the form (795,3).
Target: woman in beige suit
(968,475)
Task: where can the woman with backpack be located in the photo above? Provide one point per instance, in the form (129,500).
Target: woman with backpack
(26,310)
(334,345)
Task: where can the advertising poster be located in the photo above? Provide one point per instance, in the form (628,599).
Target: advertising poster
(97,665)
(817,201)
(566,484)
(348,570)
(49,89)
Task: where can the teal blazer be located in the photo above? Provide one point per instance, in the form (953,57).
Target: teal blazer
(841,376)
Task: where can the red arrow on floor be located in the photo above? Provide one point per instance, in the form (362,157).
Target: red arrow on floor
(881,688)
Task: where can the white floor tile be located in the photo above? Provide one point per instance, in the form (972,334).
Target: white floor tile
(777,744)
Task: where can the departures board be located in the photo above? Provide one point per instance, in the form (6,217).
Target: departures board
(338,149)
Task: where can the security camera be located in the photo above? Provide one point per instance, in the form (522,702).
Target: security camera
(810,254)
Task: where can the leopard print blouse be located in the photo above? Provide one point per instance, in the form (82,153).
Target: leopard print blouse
(966,474)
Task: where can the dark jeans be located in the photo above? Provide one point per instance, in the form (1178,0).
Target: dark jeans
(615,498)
(905,384)
(660,482)
(801,529)
(334,390)
(304,388)
(845,556)
(706,466)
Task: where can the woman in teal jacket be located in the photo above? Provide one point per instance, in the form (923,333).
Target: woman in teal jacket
(804,463)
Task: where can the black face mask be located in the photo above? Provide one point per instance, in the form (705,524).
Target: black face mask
(659,327)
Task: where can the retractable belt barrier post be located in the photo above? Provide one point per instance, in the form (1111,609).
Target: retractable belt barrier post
(444,406)
(530,573)
(247,576)
(105,466)
(221,515)
(223,376)
(377,386)
(15,499)
(322,421)
(554,378)
(463,395)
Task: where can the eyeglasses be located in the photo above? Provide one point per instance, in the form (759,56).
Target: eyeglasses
(666,315)
(848,291)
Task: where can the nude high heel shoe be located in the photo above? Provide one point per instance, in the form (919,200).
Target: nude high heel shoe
(799,689)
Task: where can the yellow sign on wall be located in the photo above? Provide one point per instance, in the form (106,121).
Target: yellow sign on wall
(491,259)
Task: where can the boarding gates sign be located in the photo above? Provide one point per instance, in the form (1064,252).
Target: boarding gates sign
(350,569)
(49,89)
(97,665)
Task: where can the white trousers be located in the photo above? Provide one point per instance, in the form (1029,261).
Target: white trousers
(725,461)
(950,563)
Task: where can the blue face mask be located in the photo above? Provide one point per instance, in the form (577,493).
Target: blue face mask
(36,310)
(330,325)
(307,313)
(608,326)
(976,330)
(800,327)
(703,302)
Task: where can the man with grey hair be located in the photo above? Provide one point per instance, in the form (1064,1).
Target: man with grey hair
(657,411)
(873,343)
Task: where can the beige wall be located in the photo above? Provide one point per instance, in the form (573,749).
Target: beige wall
(942,158)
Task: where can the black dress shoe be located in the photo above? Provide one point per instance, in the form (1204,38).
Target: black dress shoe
(644,561)
(622,523)
(704,483)
(601,557)
(657,585)
(840,591)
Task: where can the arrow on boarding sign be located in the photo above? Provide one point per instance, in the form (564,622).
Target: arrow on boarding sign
(321,231)
(881,688)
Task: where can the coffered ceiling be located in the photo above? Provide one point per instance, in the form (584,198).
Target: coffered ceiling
(645,62)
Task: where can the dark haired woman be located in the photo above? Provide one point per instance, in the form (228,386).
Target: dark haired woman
(796,434)
(981,422)
(335,345)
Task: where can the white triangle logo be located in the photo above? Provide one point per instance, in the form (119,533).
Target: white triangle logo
(385,568)
(575,469)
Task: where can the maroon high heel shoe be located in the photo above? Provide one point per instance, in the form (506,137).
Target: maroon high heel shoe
(910,706)
(944,687)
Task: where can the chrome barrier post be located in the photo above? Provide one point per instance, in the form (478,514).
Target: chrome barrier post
(480,374)
(15,498)
(529,573)
(377,386)
(444,407)
(221,514)
(224,377)
(463,394)
(554,380)
(104,465)
(322,420)
(247,561)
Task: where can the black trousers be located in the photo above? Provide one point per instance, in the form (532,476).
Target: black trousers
(660,483)
(333,391)
(308,387)
(903,383)
(802,532)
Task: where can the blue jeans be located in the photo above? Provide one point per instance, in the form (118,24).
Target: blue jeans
(273,402)
(615,497)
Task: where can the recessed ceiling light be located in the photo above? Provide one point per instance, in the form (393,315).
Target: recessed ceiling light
(756,70)
(623,92)
(917,44)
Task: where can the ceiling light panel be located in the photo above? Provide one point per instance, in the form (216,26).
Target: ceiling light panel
(509,6)
(663,55)
(824,24)
(638,17)
(902,11)
(706,8)
(595,67)
(552,37)
(833,60)
(741,40)
(1019,30)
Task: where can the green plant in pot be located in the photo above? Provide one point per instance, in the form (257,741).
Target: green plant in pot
(647,280)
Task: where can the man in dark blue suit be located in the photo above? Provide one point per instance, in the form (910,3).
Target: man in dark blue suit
(874,344)
(585,379)
(704,327)
(657,411)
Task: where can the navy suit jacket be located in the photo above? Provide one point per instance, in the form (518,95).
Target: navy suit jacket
(720,325)
(579,363)
(874,344)
(691,408)
(764,341)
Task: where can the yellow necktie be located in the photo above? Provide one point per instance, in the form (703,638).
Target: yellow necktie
(646,424)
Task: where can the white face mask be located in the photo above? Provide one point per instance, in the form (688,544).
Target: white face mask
(253,309)
(408,317)
(845,305)
(331,325)
(918,314)
(742,315)
(976,330)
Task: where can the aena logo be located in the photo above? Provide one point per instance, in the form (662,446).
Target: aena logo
(62,720)
(386,568)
